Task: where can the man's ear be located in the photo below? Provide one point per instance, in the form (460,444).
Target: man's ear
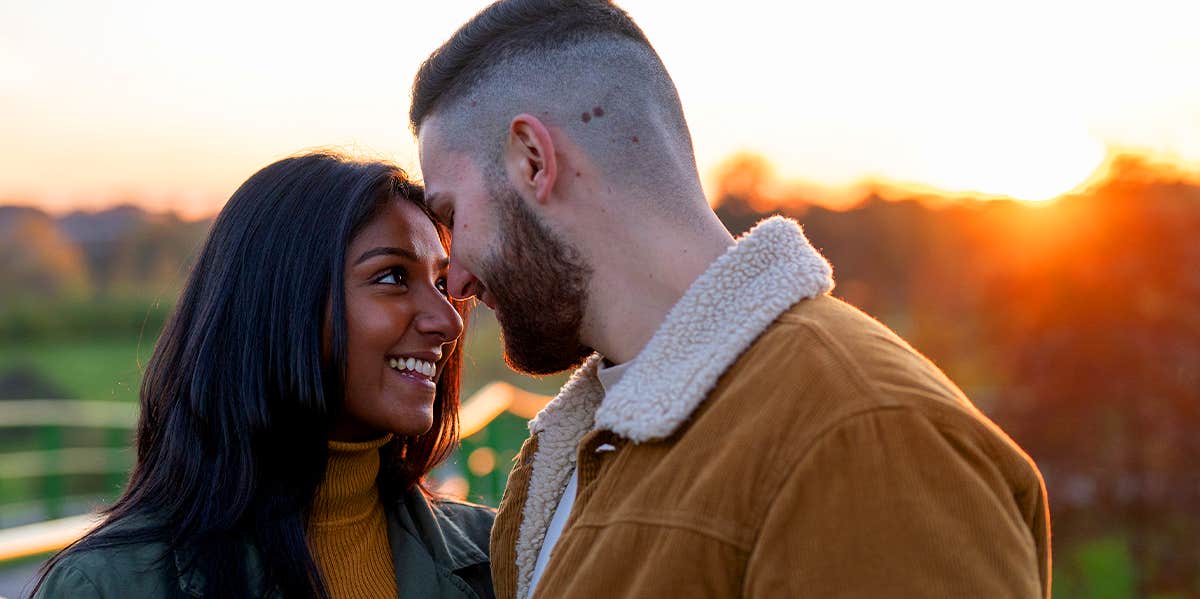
(529,157)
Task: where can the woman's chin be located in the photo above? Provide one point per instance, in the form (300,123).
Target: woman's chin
(412,423)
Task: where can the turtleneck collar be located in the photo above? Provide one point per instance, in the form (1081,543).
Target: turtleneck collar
(349,491)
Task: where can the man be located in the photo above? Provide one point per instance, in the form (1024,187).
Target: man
(732,429)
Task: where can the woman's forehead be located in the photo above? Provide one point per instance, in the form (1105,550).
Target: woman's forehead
(401,224)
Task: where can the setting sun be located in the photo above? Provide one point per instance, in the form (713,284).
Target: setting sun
(1013,165)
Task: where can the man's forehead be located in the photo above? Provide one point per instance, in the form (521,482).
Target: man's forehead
(444,166)
(432,135)
(443,172)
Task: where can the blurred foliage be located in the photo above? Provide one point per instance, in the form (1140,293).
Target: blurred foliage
(1105,560)
(96,368)
(1072,324)
(73,318)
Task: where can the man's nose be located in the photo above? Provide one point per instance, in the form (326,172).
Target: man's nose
(461,283)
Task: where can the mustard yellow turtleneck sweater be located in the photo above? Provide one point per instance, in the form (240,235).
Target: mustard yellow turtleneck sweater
(348,532)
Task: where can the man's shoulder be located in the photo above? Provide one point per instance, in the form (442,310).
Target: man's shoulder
(824,364)
(825,348)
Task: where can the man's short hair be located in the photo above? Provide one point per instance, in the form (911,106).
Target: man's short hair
(581,65)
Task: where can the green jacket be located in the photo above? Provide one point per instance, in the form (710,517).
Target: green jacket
(439,549)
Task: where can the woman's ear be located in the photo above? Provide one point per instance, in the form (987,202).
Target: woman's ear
(529,157)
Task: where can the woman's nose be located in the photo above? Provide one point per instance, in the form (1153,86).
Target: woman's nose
(441,319)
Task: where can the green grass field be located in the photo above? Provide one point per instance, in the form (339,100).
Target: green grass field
(96,369)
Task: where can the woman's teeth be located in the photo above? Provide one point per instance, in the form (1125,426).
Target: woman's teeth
(413,364)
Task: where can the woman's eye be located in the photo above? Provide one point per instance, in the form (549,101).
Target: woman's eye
(393,276)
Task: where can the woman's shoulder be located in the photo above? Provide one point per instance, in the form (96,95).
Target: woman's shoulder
(136,569)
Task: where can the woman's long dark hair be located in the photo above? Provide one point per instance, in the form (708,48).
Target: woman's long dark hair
(237,399)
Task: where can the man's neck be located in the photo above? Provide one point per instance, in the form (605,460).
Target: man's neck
(637,282)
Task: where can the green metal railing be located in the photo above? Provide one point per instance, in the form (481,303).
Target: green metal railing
(492,427)
(51,460)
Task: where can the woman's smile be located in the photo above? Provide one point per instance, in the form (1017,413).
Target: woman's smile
(415,370)
(416,365)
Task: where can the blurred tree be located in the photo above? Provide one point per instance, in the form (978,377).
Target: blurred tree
(1102,344)
(37,260)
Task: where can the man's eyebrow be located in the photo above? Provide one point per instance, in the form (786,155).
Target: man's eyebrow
(406,253)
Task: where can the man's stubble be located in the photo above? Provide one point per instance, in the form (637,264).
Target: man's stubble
(539,282)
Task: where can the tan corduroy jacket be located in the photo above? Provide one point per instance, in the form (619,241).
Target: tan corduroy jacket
(772,441)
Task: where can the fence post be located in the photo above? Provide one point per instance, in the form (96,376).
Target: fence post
(54,488)
(115,479)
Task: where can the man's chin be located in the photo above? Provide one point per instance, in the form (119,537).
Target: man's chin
(532,359)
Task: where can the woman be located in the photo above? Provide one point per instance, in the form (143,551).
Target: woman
(306,383)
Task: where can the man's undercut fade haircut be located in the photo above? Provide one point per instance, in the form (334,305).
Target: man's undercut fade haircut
(583,66)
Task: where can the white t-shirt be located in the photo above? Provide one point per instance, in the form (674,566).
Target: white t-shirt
(609,376)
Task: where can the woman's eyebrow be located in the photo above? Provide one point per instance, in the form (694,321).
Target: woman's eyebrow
(406,253)
(387,251)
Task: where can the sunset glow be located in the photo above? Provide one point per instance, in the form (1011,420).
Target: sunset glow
(172,106)
(1011,166)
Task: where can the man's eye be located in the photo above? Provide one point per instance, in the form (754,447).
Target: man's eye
(444,287)
(393,276)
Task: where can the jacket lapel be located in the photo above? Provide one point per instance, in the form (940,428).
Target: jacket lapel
(558,428)
(426,551)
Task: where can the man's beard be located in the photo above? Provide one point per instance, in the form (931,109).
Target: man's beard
(539,282)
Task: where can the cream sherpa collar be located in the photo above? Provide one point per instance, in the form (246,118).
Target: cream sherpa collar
(769,269)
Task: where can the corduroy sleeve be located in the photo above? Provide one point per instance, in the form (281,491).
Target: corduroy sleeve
(890,504)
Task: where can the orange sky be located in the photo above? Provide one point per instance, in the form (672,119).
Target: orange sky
(173,105)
